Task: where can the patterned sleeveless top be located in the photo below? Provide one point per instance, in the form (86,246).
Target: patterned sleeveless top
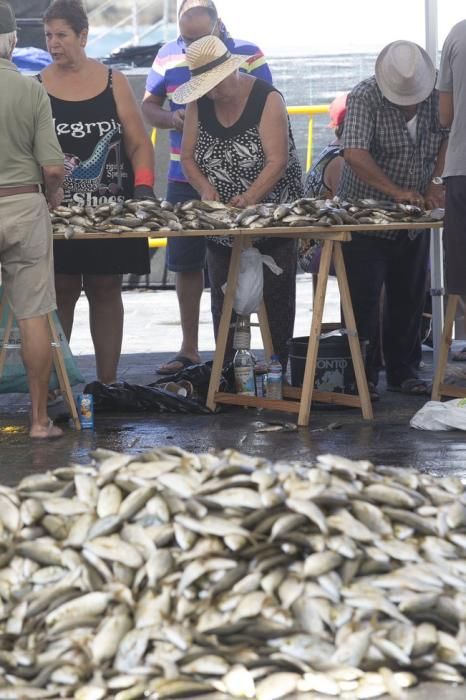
(314,184)
(232,157)
(97,169)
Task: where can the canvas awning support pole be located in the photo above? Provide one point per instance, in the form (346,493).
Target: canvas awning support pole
(436,243)
(431,19)
(135,22)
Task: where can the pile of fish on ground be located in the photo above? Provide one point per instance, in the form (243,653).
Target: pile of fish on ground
(149,215)
(170,574)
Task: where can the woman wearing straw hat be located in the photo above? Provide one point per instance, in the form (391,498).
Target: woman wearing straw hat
(186,256)
(237,148)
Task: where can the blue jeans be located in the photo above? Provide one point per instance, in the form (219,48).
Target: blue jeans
(184,254)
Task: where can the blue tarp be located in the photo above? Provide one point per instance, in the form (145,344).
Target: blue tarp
(31,58)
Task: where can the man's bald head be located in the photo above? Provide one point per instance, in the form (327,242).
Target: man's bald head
(198,18)
(192,7)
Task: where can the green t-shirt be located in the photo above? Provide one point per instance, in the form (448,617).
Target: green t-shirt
(27,135)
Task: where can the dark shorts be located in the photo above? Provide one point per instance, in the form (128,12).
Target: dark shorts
(184,254)
(455,234)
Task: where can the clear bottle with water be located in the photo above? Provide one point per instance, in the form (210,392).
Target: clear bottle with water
(243,365)
(242,335)
(275,379)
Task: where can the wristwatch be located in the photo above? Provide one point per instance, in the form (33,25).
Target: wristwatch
(437,180)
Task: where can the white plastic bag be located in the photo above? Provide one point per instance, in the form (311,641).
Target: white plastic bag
(437,415)
(250,286)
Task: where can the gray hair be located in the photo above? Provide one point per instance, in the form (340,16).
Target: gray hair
(7,44)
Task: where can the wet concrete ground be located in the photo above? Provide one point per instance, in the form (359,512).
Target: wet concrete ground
(386,440)
(151,336)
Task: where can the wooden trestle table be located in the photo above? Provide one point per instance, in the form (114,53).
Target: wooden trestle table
(296,400)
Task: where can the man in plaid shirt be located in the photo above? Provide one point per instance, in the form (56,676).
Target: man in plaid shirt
(394,150)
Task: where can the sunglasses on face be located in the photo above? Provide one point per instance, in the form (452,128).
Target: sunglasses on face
(188,41)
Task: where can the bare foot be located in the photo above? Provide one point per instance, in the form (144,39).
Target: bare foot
(45,432)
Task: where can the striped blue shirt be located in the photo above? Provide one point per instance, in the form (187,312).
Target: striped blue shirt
(170,70)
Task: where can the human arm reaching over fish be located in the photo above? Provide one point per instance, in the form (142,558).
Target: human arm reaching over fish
(273,131)
(137,143)
(195,176)
(365,167)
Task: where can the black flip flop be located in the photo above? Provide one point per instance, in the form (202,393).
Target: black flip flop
(412,387)
(182,360)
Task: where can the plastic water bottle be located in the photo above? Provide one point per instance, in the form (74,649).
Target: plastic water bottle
(275,379)
(243,366)
(242,335)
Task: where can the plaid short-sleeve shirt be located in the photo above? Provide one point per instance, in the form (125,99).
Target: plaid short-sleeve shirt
(374,124)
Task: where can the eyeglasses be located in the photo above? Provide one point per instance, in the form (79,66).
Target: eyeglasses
(188,41)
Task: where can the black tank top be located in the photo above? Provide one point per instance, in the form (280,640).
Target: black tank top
(233,157)
(97,169)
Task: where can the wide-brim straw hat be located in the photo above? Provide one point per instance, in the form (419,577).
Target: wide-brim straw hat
(210,62)
(405,73)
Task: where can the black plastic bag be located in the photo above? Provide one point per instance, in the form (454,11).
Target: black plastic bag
(122,396)
(199,377)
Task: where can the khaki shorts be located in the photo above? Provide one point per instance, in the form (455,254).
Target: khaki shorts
(26,255)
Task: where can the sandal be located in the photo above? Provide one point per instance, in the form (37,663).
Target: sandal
(412,386)
(180,360)
(47,432)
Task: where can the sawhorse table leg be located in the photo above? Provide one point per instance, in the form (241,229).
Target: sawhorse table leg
(225,320)
(58,361)
(265,332)
(440,389)
(6,337)
(302,397)
(314,335)
(62,374)
(353,339)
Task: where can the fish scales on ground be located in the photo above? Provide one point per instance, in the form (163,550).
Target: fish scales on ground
(149,215)
(170,574)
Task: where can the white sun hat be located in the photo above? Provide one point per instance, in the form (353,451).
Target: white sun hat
(405,73)
(210,62)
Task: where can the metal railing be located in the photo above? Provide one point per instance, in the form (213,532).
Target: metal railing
(311,111)
(130,19)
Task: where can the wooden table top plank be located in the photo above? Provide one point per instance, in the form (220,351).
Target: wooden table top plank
(318,232)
